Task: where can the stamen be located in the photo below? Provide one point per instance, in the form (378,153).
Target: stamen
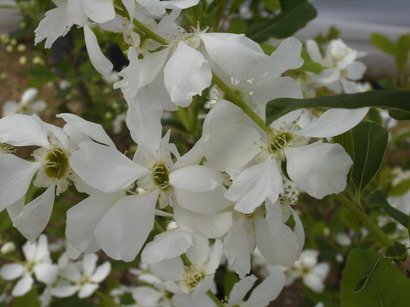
(160,175)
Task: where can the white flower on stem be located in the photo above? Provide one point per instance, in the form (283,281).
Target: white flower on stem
(308,268)
(158,8)
(50,167)
(267,291)
(341,70)
(37,262)
(143,296)
(83,277)
(231,142)
(152,169)
(195,278)
(26,105)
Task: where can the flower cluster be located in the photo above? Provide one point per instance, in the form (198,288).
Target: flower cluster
(232,192)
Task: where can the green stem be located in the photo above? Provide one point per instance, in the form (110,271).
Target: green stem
(150,33)
(237,100)
(215,299)
(366,220)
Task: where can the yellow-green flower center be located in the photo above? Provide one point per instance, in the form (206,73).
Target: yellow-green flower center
(193,276)
(279,141)
(160,175)
(56,165)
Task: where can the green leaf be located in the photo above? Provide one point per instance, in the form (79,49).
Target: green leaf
(401,188)
(295,15)
(346,140)
(378,199)
(397,252)
(28,300)
(386,287)
(370,144)
(383,43)
(362,283)
(402,51)
(381,99)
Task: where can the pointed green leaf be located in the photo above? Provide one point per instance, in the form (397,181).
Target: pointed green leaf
(362,283)
(369,143)
(382,99)
(386,287)
(295,14)
(402,51)
(378,199)
(383,43)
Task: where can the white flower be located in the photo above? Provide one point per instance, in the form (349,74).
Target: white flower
(197,277)
(37,262)
(341,70)
(7,247)
(26,105)
(262,295)
(308,268)
(82,277)
(152,169)
(51,166)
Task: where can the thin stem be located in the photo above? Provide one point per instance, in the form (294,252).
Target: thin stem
(366,220)
(215,299)
(237,100)
(150,34)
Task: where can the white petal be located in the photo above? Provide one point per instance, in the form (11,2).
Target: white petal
(37,107)
(275,240)
(23,130)
(267,290)
(83,218)
(105,168)
(240,289)
(239,57)
(169,269)
(11,271)
(214,259)
(195,178)
(124,229)
(333,122)
(286,56)
(313,51)
(55,24)
(10,108)
(23,286)
(186,74)
(206,225)
(63,289)
(199,253)
(75,12)
(99,11)
(97,58)
(206,202)
(238,244)
(34,217)
(169,244)
(254,185)
(86,290)
(89,263)
(153,6)
(319,169)
(355,70)
(15,177)
(29,95)
(101,272)
(93,130)
(179,4)
(46,272)
(144,123)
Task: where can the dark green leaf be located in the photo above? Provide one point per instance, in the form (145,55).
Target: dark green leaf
(295,15)
(383,43)
(346,140)
(386,287)
(362,283)
(369,143)
(28,300)
(272,5)
(382,99)
(378,199)
(399,114)
(396,251)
